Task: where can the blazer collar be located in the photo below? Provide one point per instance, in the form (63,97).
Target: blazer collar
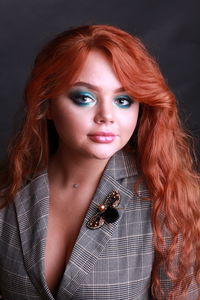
(121,165)
(32,203)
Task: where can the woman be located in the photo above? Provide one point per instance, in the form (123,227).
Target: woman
(100,199)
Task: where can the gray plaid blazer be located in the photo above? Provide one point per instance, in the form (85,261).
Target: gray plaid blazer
(113,262)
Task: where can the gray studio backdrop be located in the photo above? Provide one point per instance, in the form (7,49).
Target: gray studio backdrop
(169,29)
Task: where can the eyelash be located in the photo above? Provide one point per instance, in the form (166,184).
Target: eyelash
(122,98)
(81,99)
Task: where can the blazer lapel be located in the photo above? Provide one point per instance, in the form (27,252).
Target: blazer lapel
(91,243)
(32,204)
(32,214)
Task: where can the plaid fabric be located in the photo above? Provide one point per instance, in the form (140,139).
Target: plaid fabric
(113,262)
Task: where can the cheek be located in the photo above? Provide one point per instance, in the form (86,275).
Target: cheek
(71,122)
(129,121)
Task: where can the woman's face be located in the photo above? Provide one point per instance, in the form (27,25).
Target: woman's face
(94,118)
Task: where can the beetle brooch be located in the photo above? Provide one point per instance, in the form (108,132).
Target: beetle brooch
(107,211)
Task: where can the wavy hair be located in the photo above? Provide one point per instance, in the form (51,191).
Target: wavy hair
(163,147)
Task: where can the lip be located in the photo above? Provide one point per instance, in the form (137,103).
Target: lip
(102,137)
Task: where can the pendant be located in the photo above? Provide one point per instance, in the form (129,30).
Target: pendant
(107,211)
(75,185)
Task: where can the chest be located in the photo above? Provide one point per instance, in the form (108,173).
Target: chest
(64,224)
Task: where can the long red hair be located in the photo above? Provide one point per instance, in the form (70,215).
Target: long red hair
(163,148)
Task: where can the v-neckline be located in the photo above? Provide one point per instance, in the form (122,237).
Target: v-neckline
(32,208)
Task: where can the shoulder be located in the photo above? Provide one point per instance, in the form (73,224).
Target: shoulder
(124,168)
(31,192)
(122,171)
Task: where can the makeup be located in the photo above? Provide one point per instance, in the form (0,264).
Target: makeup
(87,98)
(95,116)
(82,98)
(123,101)
(102,137)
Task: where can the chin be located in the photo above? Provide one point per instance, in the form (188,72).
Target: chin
(102,155)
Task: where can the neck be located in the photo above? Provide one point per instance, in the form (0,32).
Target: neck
(68,170)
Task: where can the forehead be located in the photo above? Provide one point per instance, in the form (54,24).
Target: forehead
(97,70)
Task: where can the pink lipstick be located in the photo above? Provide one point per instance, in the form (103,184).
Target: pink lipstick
(102,137)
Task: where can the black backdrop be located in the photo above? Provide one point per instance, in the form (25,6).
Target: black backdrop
(169,29)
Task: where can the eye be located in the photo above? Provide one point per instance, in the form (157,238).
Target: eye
(123,101)
(82,98)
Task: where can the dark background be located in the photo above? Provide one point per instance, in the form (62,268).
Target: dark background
(170,30)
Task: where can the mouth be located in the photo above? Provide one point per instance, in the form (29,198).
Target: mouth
(102,137)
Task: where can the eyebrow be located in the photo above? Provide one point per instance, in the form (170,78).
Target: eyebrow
(94,87)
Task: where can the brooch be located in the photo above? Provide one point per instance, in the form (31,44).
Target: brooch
(107,211)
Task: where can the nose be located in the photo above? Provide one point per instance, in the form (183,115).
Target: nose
(104,113)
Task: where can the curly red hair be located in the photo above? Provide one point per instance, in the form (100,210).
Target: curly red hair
(163,149)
